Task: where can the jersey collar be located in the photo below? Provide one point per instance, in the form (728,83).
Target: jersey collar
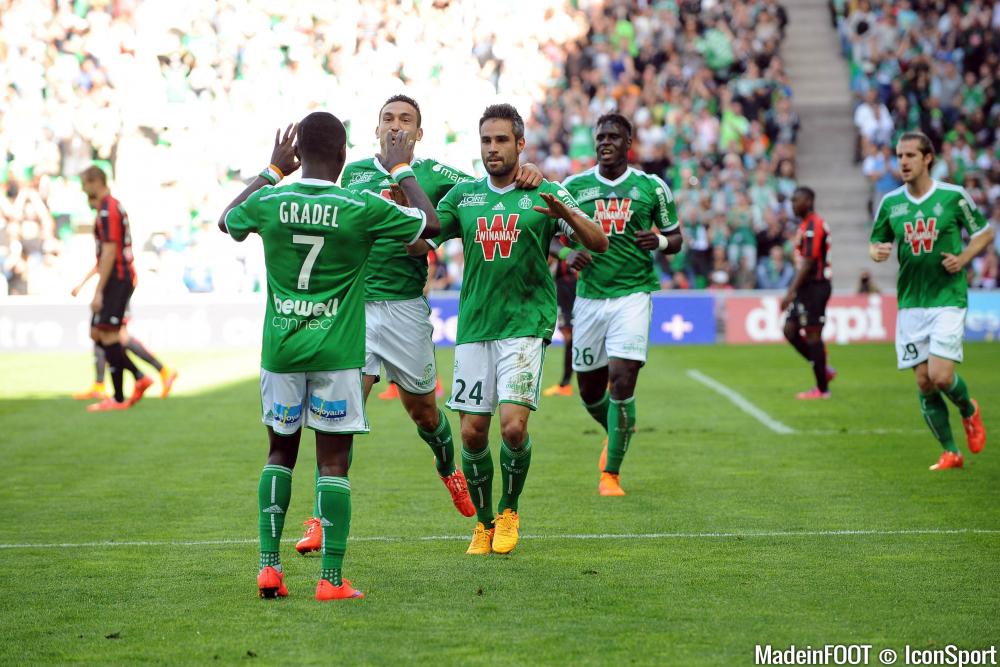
(316,181)
(617,181)
(926,196)
(378,165)
(499,191)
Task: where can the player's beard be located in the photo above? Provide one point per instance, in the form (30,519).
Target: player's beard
(508,165)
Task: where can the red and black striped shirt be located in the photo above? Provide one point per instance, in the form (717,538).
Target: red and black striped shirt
(814,243)
(111,226)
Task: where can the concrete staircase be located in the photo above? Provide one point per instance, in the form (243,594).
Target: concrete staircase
(821,87)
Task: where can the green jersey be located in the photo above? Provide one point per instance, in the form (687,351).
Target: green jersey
(632,202)
(393,275)
(924,229)
(317,237)
(507,290)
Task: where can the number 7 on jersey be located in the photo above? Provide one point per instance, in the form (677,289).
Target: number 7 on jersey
(307,266)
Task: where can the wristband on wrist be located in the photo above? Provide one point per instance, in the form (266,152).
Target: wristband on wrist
(664,242)
(401,171)
(273,167)
(270,176)
(564,252)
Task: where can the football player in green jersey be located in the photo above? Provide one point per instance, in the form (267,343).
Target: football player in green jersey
(613,306)
(506,314)
(925,218)
(317,237)
(397,316)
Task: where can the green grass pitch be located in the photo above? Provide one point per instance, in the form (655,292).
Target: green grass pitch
(731,535)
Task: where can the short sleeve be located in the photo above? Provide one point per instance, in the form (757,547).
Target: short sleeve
(971,218)
(882,230)
(447,212)
(665,213)
(389,220)
(244,218)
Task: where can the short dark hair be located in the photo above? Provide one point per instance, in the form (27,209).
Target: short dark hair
(321,136)
(504,112)
(618,119)
(94,173)
(402,98)
(924,144)
(808,192)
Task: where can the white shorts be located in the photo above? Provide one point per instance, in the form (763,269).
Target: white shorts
(399,337)
(605,328)
(497,371)
(921,332)
(332,401)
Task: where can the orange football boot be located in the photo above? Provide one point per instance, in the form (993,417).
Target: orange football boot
(459,490)
(948,460)
(108,404)
(975,432)
(95,392)
(141,385)
(610,485)
(167,378)
(327,591)
(558,390)
(391,392)
(313,538)
(271,583)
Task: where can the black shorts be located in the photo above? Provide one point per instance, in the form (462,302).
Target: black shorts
(809,307)
(115,306)
(565,298)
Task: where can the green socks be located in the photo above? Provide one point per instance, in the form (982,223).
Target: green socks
(621,425)
(333,494)
(478,469)
(959,395)
(935,412)
(273,495)
(441,444)
(514,464)
(350,459)
(599,410)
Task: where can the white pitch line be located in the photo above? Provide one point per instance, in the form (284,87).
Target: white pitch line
(558,536)
(741,402)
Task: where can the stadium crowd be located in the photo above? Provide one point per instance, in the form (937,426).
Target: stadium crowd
(176,99)
(935,67)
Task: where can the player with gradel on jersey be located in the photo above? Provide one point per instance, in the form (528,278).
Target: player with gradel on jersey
(317,237)
(399,334)
(506,315)
(613,307)
(925,218)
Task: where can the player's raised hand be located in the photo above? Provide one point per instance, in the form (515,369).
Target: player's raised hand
(881,251)
(647,239)
(397,148)
(284,156)
(951,263)
(578,260)
(528,176)
(397,195)
(556,208)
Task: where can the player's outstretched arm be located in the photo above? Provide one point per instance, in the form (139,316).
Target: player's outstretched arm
(586,232)
(94,270)
(284,161)
(880,251)
(977,244)
(397,153)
